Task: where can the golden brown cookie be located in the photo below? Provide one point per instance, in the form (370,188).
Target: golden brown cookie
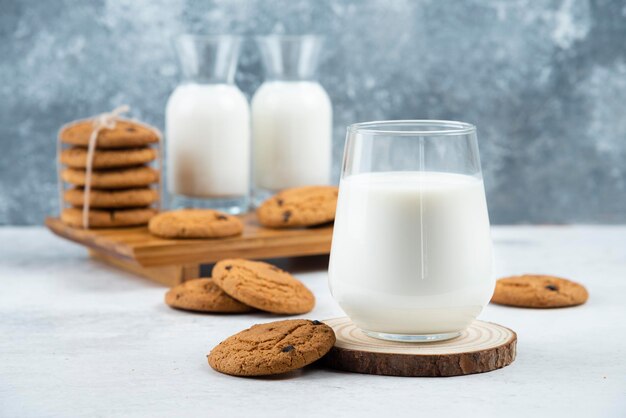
(273,348)
(77,157)
(301,206)
(127,198)
(538,291)
(263,286)
(125,134)
(108,218)
(195,223)
(203,295)
(113,179)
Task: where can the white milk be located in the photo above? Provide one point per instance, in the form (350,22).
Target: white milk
(208,141)
(411,252)
(292,134)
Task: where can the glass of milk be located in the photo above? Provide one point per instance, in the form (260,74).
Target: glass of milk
(411,256)
(291,117)
(208,128)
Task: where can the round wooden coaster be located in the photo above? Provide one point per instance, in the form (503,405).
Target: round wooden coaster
(482,347)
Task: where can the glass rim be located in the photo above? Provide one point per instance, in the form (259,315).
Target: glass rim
(386,127)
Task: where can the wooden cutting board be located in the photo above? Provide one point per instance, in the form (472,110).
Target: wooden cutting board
(483,347)
(171,261)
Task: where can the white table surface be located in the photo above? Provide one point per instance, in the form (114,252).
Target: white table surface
(79,338)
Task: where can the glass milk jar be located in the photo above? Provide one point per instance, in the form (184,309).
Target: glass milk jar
(291,117)
(208,128)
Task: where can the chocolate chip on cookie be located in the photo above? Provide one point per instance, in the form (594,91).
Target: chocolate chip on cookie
(99,218)
(195,223)
(272,348)
(301,206)
(125,134)
(203,295)
(76,157)
(127,198)
(263,286)
(539,291)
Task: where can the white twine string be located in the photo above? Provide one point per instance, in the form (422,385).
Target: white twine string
(100,122)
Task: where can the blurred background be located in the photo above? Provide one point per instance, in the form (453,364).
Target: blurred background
(543,80)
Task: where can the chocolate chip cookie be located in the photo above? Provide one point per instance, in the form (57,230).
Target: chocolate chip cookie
(107,218)
(76,157)
(112,198)
(203,295)
(263,286)
(538,291)
(273,348)
(195,223)
(125,134)
(301,206)
(113,179)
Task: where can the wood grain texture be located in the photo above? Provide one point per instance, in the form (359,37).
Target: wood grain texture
(483,347)
(170,276)
(143,249)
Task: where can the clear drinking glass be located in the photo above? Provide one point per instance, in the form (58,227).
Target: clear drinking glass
(208,128)
(411,256)
(291,117)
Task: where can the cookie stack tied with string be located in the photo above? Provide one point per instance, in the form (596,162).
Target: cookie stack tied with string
(105,176)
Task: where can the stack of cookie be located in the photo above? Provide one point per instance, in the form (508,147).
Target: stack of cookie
(122,192)
(239,286)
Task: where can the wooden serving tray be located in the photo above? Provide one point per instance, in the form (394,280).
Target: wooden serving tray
(171,262)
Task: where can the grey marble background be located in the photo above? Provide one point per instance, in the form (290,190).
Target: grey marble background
(544,81)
